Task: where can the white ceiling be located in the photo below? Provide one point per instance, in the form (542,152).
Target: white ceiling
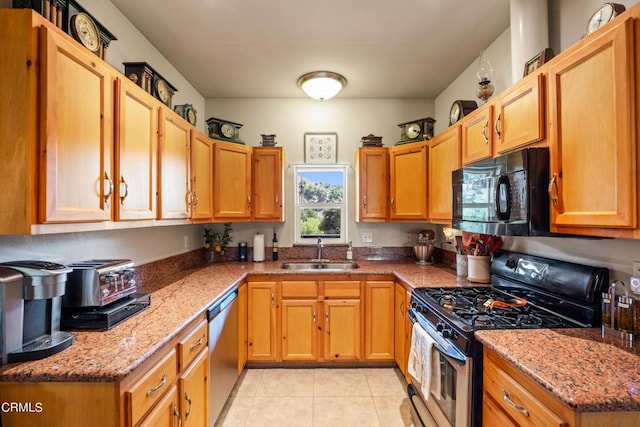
(259,48)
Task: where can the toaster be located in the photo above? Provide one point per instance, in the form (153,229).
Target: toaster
(96,283)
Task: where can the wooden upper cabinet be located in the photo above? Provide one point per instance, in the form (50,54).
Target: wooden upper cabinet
(231,181)
(477,134)
(520,115)
(76,133)
(175,141)
(372,184)
(444,158)
(201,177)
(136,152)
(267,173)
(408,181)
(592,133)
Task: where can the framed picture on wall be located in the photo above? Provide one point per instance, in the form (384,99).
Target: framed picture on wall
(535,62)
(320,147)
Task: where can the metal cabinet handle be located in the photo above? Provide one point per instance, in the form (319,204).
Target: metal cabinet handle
(158,387)
(402,307)
(393,204)
(277,201)
(513,404)
(196,345)
(484,132)
(108,187)
(326,317)
(273,299)
(249,202)
(496,126)
(553,195)
(188,411)
(314,318)
(194,199)
(176,414)
(124,189)
(364,202)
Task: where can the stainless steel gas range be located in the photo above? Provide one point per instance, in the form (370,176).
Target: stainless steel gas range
(525,292)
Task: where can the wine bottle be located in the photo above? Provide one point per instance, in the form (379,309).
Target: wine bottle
(274,253)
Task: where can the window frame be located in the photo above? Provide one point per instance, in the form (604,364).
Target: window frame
(298,239)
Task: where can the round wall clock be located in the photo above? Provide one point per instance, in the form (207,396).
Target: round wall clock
(228,130)
(85,31)
(604,14)
(413,130)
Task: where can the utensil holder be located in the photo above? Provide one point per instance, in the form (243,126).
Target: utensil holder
(461,265)
(479,268)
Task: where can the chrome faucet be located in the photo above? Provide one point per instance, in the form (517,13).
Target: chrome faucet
(319,246)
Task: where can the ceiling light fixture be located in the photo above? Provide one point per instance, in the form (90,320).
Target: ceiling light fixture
(321,85)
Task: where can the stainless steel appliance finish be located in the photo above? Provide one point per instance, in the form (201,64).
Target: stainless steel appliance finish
(223,352)
(505,195)
(95,283)
(30,305)
(526,292)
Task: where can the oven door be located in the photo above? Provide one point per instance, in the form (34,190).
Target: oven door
(447,404)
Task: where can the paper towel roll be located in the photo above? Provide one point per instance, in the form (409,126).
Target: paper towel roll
(258,247)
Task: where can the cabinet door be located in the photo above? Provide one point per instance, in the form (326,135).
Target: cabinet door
(299,330)
(400,315)
(201,177)
(261,327)
(165,413)
(372,181)
(268,197)
(136,152)
(193,389)
(408,329)
(444,158)
(76,179)
(342,330)
(379,316)
(232,181)
(408,189)
(477,135)
(520,115)
(175,141)
(592,138)
(242,327)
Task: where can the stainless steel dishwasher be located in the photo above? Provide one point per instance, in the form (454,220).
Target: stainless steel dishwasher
(223,352)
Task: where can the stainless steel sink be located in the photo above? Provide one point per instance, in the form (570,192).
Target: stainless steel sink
(320,266)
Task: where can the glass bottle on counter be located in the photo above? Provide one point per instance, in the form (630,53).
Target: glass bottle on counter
(625,314)
(274,251)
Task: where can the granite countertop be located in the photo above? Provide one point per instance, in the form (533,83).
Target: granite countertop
(579,367)
(105,356)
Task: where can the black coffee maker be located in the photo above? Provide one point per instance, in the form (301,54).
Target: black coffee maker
(30,307)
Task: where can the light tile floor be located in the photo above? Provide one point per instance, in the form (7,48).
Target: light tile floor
(318,397)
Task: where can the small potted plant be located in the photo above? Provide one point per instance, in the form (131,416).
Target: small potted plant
(216,243)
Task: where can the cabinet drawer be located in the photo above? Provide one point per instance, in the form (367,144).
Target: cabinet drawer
(191,344)
(342,289)
(149,389)
(299,289)
(515,400)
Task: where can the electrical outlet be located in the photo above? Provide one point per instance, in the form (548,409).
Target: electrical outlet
(409,238)
(367,237)
(635,270)
(187,242)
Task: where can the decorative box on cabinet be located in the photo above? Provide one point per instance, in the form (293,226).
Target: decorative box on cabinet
(372,184)
(408,181)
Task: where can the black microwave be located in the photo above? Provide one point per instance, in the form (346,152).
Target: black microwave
(504,196)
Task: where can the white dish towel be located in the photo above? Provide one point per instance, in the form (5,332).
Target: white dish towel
(420,359)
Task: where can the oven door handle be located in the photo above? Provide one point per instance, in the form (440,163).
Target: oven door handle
(440,343)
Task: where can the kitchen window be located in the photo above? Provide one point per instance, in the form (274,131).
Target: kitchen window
(320,203)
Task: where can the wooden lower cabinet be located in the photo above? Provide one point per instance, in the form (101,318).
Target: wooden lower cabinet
(261,323)
(193,387)
(510,398)
(342,321)
(165,413)
(299,334)
(243,340)
(379,320)
(400,326)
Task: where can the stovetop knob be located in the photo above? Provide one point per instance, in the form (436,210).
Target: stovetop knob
(511,263)
(439,327)
(447,333)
